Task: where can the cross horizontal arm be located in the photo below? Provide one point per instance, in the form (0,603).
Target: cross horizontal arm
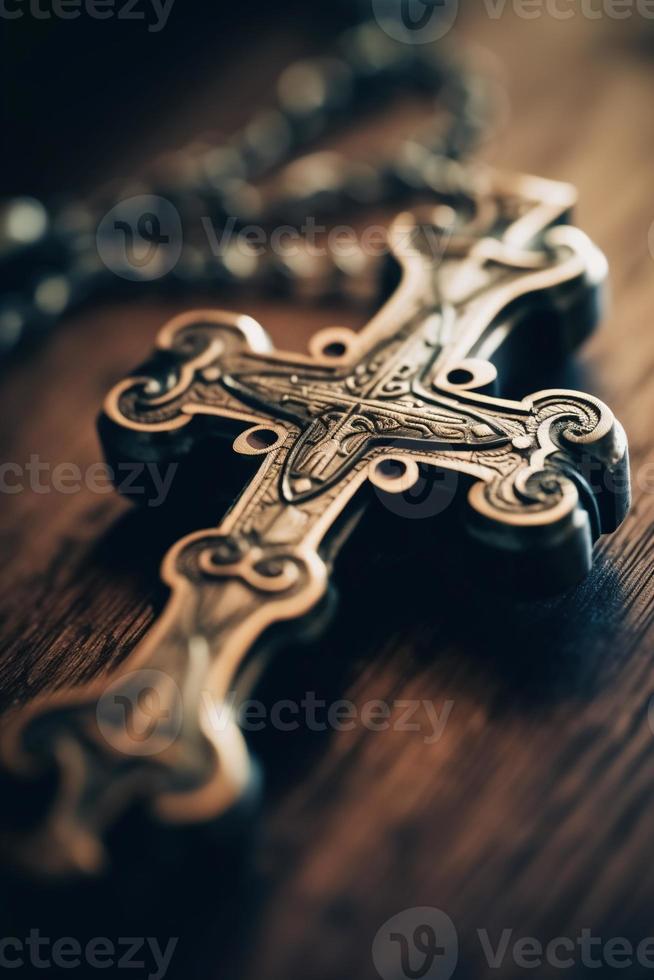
(540,478)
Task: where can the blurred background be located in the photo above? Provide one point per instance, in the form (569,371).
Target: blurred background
(533,811)
(88,97)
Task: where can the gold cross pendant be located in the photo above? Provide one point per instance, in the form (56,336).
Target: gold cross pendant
(414,392)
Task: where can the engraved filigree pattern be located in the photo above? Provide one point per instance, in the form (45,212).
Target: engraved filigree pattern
(416,387)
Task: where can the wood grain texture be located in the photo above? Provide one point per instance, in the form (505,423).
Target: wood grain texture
(533,811)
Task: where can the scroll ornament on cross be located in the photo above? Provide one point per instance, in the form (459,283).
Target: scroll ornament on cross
(545,476)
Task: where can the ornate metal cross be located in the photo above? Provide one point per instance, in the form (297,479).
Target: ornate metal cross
(545,476)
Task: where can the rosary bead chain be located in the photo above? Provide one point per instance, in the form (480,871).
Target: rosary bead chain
(49,259)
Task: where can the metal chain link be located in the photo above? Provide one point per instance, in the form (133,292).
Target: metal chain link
(49,258)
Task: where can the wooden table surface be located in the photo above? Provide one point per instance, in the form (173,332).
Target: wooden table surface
(534,810)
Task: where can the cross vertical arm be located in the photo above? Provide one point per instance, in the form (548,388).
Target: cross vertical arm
(542,477)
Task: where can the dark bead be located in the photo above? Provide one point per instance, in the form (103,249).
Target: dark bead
(239,262)
(23,222)
(241,201)
(52,295)
(313,185)
(266,141)
(364,184)
(312,87)
(410,164)
(224,163)
(12,323)
(371,53)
